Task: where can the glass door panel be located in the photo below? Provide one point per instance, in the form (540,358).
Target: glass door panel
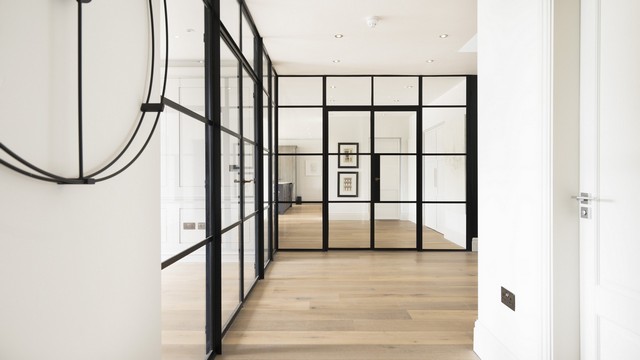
(394,180)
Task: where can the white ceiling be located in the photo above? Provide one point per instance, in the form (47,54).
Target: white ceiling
(299,36)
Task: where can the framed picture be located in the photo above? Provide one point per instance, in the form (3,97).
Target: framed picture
(347,184)
(313,167)
(348,155)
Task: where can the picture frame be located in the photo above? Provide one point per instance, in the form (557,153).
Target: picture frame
(348,158)
(347,184)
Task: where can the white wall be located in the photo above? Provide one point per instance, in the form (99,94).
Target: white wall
(78,264)
(526,132)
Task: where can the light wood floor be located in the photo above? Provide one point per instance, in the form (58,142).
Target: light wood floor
(360,306)
(301,228)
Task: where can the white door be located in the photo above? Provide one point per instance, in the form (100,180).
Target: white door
(430,176)
(390,178)
(610,172)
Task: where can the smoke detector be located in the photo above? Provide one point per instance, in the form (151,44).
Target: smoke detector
(372,21)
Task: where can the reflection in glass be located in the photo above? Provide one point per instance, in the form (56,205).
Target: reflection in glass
(349,226)
(248,106)
(249,254)
(300,90)
(299,177)
(444,90)
(265,120)
(395,90)
(348,91)
(267,236)
(350,127)
(230,179)
(444,226)
(182,192)
(250,181)
(300,226)
(247,41)
(230,17)
(444,178)
(397,177)
(395,226)
(229,89)
(396,132)
(186,53)
(301,128)
(230,274)
(184,310)
(444,130)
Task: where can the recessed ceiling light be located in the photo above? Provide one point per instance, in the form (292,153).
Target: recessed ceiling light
(396,100)
(442,36)
(201,61)
(191,30)
(338,36)
(430,61)
(333,86)
(336,61)
(409,87)
(176,36)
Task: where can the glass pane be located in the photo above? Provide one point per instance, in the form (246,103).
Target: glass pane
(265,179)
(248,107)
(395,132)
(444,226)
(350,184)
(249,180)
(444,178)
(186,53)
(395,226)
(265,73)
(266,235)
(397,177)
(183,221)
(230,273)
(395,90)
(249,254)
(247,41)
(230,17)
(444,91)
(303,174)
(265,121)
(444,130)
(229,98)
(301,128)
(349,127)
(300,226)
(349,226)
(184,310)
(230,176)
(348,91)
(300,91)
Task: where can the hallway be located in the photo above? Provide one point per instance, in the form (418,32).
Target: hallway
(359,305)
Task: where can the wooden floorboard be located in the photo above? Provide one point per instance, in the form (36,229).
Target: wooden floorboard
(359,305)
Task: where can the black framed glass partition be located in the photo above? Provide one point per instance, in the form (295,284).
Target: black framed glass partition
(216,140)
(398,162)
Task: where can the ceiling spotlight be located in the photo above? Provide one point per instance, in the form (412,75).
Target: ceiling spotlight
(333,86)
(442,36)
(176,36)
(201,61)
(338,36)
(372,21)
(191,30)
(396,100)
(409,87)
(430,61)
(336,61)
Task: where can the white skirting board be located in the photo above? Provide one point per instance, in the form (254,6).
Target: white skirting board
(474,244)
(487,346)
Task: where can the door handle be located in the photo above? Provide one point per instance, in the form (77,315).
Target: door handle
(245,181)
(584,198)
(377,179)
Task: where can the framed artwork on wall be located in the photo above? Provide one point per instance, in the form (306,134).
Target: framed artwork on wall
(347,184)
(348,155)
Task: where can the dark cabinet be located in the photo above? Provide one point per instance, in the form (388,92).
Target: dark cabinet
(285,193)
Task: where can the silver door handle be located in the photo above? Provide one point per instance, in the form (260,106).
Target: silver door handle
(584,198)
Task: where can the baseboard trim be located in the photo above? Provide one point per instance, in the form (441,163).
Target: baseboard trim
(487,346)
(474,244)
